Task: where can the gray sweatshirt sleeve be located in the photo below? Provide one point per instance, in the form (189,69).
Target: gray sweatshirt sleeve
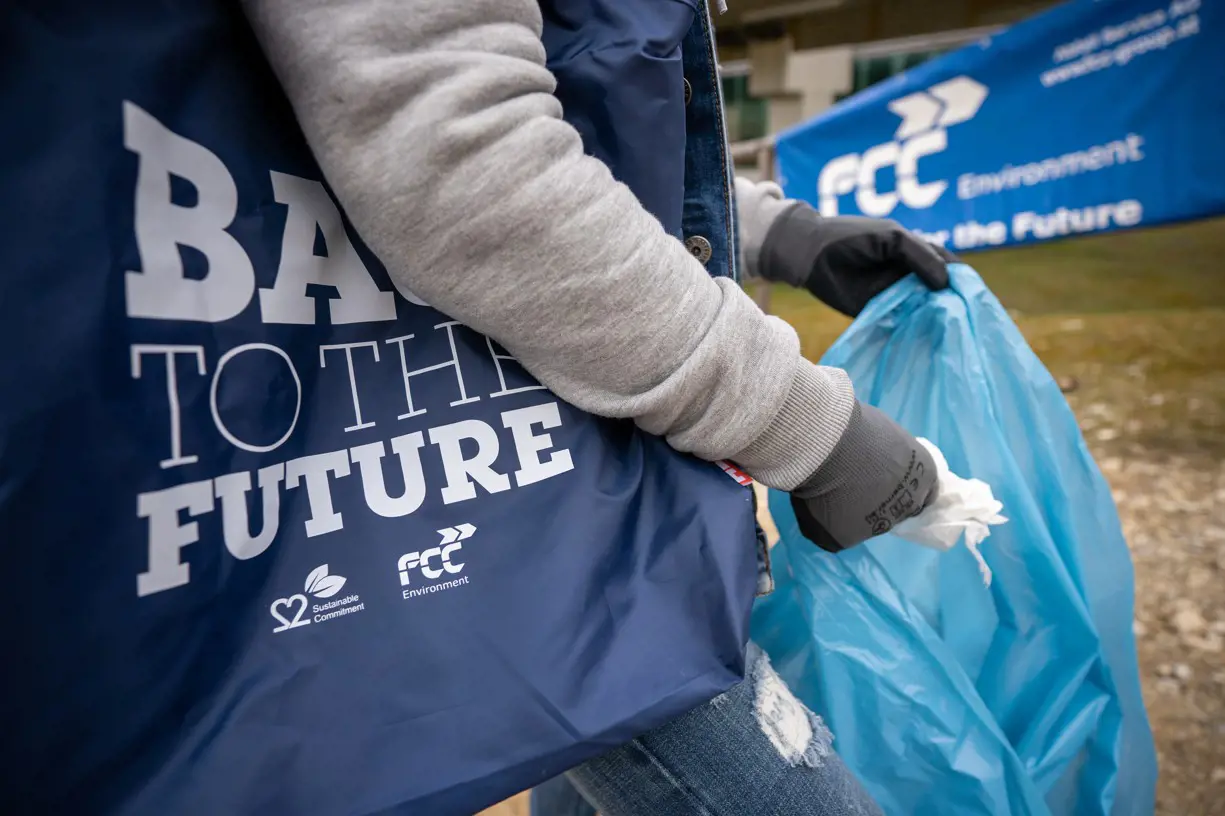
(435,123)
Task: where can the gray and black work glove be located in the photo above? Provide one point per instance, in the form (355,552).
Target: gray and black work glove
(878,475)
(844,261)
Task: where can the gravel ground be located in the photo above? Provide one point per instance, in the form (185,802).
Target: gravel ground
(1173,510)
(1163,451)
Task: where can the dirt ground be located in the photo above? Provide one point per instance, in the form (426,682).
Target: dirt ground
(1134,326)
(1163,451)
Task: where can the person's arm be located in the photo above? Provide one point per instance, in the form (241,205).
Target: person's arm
(845,262)
(435,123)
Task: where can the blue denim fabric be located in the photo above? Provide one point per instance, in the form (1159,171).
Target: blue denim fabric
(710,205)
(620,80)
(639,81)
(719,760)
(622,69)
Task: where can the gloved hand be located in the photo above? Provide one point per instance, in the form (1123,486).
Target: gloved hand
(844,261)
(877,476)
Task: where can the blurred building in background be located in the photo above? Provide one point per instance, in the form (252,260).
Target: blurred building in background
(785,61)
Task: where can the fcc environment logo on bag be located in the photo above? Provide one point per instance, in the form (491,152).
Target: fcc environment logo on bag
(428,567)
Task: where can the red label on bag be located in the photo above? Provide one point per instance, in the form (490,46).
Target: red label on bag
(736,473)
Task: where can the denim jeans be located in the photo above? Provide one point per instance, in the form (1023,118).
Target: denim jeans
(752,751)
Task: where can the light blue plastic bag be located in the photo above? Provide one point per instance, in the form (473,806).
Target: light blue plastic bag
(947,697)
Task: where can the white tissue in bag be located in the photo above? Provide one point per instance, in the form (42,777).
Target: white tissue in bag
(963,508)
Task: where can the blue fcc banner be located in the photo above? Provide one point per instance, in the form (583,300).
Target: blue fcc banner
(1097,115)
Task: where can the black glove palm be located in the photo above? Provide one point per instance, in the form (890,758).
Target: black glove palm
(845,261)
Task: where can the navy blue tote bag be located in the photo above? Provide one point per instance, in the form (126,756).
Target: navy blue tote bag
(276,537)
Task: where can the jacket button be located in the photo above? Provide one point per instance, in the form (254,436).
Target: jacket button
(688,92)
(699,248)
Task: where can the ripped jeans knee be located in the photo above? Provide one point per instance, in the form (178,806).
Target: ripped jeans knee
(800,736)
(755,750)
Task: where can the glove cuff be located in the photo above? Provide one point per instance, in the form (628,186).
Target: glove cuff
(790,246)
(877,476)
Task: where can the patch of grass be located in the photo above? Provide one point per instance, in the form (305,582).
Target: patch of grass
(1175,267)
(1154,379)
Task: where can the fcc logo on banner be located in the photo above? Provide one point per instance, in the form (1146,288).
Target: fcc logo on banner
(926,116)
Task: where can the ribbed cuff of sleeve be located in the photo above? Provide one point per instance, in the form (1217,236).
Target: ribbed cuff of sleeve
(806,429)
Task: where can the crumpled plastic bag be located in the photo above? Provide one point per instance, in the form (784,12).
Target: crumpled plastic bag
(945,696)
(964,510)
